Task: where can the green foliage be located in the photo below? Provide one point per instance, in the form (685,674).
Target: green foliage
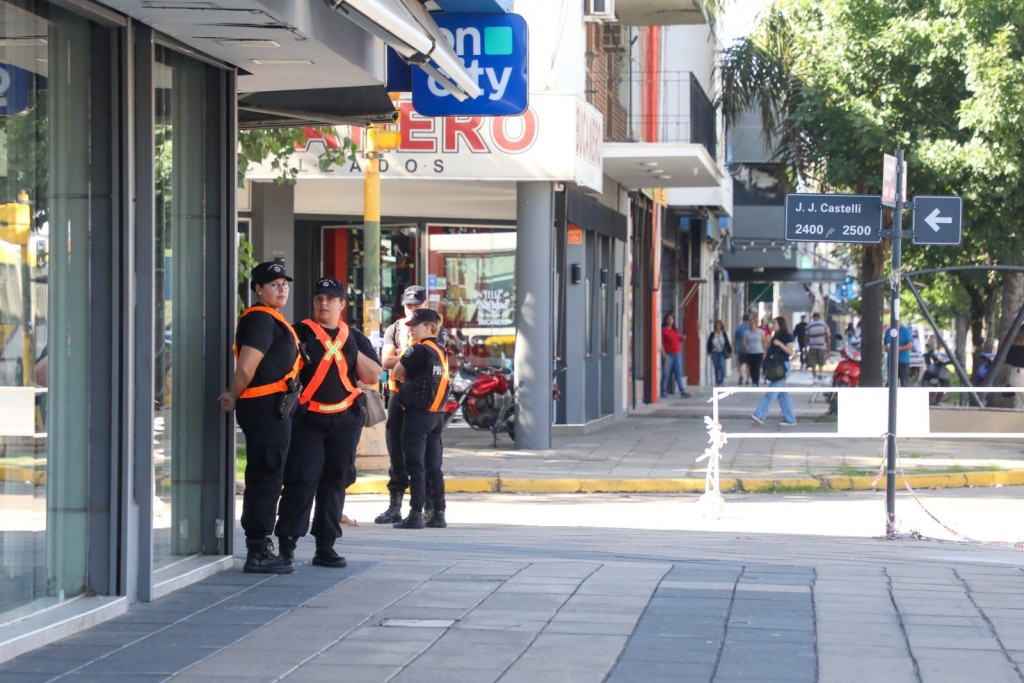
(278,144)
(839,83)
(246,262)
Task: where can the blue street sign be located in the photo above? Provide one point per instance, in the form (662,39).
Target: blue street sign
(493,48)
(833,218)
(16,86)
(937,220)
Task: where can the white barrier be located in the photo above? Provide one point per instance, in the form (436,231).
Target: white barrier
(862,413)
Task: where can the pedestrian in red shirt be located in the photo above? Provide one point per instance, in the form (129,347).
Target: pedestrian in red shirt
(672,356)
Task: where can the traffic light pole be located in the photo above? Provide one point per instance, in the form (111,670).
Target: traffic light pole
(895,279)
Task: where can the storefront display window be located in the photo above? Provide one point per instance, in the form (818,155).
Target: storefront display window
(471,282)
(44,309)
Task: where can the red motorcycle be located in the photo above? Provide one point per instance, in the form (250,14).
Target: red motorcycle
(846,374)
(486,398)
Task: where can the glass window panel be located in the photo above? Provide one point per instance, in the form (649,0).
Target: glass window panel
(44,308)
(179,400)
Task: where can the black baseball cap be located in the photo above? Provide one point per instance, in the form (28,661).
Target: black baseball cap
(330,287)
(424,315)
(268,272)
(414,295)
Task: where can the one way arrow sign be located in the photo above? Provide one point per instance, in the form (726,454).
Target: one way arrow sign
(937,220)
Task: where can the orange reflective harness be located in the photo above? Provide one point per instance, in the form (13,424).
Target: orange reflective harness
(332,357)
(442,387)
(280,385)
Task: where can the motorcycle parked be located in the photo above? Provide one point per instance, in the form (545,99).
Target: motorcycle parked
(936,374)
(486,398)
(846,374)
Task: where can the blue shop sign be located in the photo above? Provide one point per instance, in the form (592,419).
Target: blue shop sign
(16,86)
(493,48)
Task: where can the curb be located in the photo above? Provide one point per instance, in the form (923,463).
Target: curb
(456,484)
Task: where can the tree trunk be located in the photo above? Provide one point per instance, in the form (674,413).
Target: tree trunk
(872,267)
(959,338)
(1013,299)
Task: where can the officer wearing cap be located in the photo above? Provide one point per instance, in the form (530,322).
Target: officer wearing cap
(322,457)
(396,341)
(267,352)
(423,372)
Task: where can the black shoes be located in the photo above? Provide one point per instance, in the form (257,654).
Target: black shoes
(326,557)
(413,521)
(262,560)
(393,513)
(436,520)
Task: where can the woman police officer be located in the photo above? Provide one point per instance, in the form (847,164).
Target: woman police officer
(267,351)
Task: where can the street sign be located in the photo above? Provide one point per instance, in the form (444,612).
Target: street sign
(493,48)
(937,220)
(834,218)
(889,181)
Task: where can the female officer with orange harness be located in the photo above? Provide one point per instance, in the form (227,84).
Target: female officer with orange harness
(322,457)
(423,372)
(268,361)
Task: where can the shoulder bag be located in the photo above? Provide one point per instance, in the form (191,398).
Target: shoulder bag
(374,409)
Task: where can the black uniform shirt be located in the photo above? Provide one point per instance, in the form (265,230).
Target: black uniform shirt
(331,389)
(260,417)
(423,375)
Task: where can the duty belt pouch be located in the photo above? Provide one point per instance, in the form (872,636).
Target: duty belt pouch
(290,399)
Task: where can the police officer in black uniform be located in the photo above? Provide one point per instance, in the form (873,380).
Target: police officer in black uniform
(322,456)
(267,351)
(396,341)
(423,372)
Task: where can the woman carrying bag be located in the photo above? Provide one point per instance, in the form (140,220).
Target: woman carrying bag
(719,348)
(776,370)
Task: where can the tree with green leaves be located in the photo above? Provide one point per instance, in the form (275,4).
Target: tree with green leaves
(838,84)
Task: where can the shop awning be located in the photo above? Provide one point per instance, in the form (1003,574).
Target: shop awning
(355,106)
(406,26)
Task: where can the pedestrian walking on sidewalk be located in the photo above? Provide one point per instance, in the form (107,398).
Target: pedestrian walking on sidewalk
(267,353)
(719,348)
(819,340)
(800,334)
(777,364)
(322,456)
(672,356)
(753,349)
(738,337)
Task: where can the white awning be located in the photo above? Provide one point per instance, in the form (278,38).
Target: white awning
(407,27)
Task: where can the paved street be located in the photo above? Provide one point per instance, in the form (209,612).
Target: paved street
(484,601)
(546,586)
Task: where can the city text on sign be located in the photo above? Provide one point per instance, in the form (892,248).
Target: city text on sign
(493,48)
(833,218)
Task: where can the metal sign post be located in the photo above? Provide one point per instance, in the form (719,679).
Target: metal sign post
(895,279)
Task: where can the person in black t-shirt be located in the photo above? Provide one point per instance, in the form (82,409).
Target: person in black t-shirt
(322,457)
(268,363)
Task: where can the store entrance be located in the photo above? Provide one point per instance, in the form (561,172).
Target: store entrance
(343,253)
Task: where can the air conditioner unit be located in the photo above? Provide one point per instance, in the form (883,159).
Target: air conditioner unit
(614,38)
(600,10)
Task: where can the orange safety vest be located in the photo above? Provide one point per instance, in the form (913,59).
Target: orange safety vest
(282,384)
(334,357)
(442,387)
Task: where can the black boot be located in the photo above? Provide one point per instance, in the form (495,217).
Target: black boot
(413,521)
(428,511)
(394,512)
(326,556)
(262,560)
(286,546)
(437,520)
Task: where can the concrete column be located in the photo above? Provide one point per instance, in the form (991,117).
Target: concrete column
(273,228)
(534,314)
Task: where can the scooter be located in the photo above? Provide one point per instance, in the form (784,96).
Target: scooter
(846,374)
(936,374)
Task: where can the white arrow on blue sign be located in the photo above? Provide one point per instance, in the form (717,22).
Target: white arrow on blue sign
(937,220)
